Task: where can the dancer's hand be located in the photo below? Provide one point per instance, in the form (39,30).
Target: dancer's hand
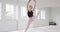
(29,0)
(35,0)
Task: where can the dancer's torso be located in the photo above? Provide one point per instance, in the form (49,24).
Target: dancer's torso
(30,13)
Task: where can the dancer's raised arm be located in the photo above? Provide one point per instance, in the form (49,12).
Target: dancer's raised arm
(34,5)
(28,4)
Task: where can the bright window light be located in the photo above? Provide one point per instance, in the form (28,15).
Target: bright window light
(16,13)
(9,11)
(42,14)
(23,11)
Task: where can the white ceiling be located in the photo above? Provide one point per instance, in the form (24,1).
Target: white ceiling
(48,3)
(40,3)
(45,3)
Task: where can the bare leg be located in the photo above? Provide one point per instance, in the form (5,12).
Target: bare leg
(29,22)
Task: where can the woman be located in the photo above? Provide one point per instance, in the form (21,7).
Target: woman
(30,14)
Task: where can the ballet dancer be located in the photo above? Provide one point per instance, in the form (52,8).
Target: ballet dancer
(30,10)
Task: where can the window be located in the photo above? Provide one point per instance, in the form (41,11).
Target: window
(37,11)
(23,11)
(0,10)
(42,14)
(16,12)
(9,11)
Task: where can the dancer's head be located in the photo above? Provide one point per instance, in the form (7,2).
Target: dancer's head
(30,7)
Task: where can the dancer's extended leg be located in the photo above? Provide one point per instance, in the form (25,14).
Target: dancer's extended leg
(29,22)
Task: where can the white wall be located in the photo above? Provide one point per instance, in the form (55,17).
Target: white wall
(48,3)
(7,25)
(55,15)
(42,22)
